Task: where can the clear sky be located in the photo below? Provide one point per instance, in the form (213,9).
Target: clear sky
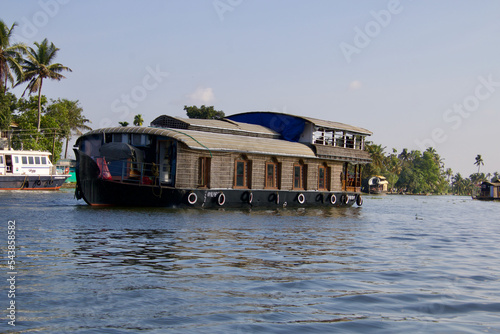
(415,73)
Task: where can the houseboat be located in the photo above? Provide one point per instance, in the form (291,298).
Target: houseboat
(253,159)
(374,185)
(489,191)
(28,170)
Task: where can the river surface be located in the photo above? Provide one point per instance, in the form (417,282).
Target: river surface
(420,264)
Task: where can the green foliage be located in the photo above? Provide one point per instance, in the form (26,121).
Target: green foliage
(60,119)
(415,172)
(123,123)
(9,56)
(423,174)
(138,120)
(203,112)
(410,172)
(69,117)
(478,178)
(479,162)
(8,103)
(26,135)
(37,66)
(39,125)
(467,186)
(461,186)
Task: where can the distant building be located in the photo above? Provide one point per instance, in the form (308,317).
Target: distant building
(5,136)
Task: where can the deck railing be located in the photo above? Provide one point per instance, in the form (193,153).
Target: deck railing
(142,173)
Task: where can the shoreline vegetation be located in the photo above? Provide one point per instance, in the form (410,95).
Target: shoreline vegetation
(415,172)
(33,123)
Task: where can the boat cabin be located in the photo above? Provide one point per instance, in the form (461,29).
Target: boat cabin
(14,162)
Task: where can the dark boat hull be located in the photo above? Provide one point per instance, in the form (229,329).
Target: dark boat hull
(34,182)
(98,191)
(486,198)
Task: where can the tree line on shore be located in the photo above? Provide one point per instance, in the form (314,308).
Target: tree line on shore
(417,172)
(34,123)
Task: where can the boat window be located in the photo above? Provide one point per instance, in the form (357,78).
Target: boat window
(44,160)
(1,159)
(350,141)
(242,173)
(31,160)
(24,160)
(339,139)
(323,179)
(137,139)
(272,175)
(117,137)
(90,144)
(204,172)
(324,136)
(16,159)
(299,176)
(37,160)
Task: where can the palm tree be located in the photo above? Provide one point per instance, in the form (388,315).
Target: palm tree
(123,123)
(9,56)
(404,155)
(377,155)
(431,150)
(138,120)
(38,66)
(479,162)
(414,154)
(496,177)
(458,184)
(478,178)
(448,173)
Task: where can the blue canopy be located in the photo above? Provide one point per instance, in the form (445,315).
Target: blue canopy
(289,127)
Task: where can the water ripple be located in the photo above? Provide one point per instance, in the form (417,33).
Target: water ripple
(369,269)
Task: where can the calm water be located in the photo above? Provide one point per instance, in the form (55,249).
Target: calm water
(397,264)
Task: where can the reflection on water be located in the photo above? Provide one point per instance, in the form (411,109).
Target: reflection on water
(399,263)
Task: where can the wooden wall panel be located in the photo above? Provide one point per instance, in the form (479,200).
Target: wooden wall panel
(222,170)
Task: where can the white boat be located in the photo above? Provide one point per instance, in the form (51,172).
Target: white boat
(28,170)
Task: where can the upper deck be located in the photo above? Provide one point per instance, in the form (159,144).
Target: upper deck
(266,133)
